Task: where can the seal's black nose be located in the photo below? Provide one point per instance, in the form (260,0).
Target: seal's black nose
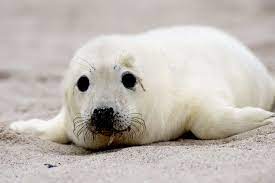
(103,118)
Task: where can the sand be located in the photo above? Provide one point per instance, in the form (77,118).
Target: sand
(37,40)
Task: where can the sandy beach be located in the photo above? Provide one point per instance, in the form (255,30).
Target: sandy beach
(37,40)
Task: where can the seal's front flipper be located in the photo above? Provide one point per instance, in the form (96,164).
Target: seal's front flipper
(53,129)
(221,122)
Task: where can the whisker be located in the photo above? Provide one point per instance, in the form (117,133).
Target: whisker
(76,126)
(85,134)
(136,129)
(78,123)
(80,130)
(134,113)
(87,62)
(142,124)
(139,119)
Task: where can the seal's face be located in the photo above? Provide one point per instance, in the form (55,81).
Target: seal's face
(110,112)
(101,100)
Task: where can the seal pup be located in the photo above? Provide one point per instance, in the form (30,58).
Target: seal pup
(155,86)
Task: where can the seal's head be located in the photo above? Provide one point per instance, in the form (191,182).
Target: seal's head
(101,98)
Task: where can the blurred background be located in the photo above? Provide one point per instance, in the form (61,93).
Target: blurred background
(38,38)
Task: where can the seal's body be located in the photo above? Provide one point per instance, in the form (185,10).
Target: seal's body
(155,86)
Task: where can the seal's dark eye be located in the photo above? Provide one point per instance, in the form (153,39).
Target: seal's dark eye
(83,83)
(128,80)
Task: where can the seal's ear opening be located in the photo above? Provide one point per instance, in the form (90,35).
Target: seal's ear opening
(127,60)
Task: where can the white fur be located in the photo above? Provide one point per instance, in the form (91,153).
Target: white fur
(195,78)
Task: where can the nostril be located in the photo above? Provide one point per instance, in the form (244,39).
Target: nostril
(96,112)
(111,110)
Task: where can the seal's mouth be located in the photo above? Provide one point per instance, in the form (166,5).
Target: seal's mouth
(108,132)
(113,134)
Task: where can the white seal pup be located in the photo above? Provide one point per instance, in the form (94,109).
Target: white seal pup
(155,86)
